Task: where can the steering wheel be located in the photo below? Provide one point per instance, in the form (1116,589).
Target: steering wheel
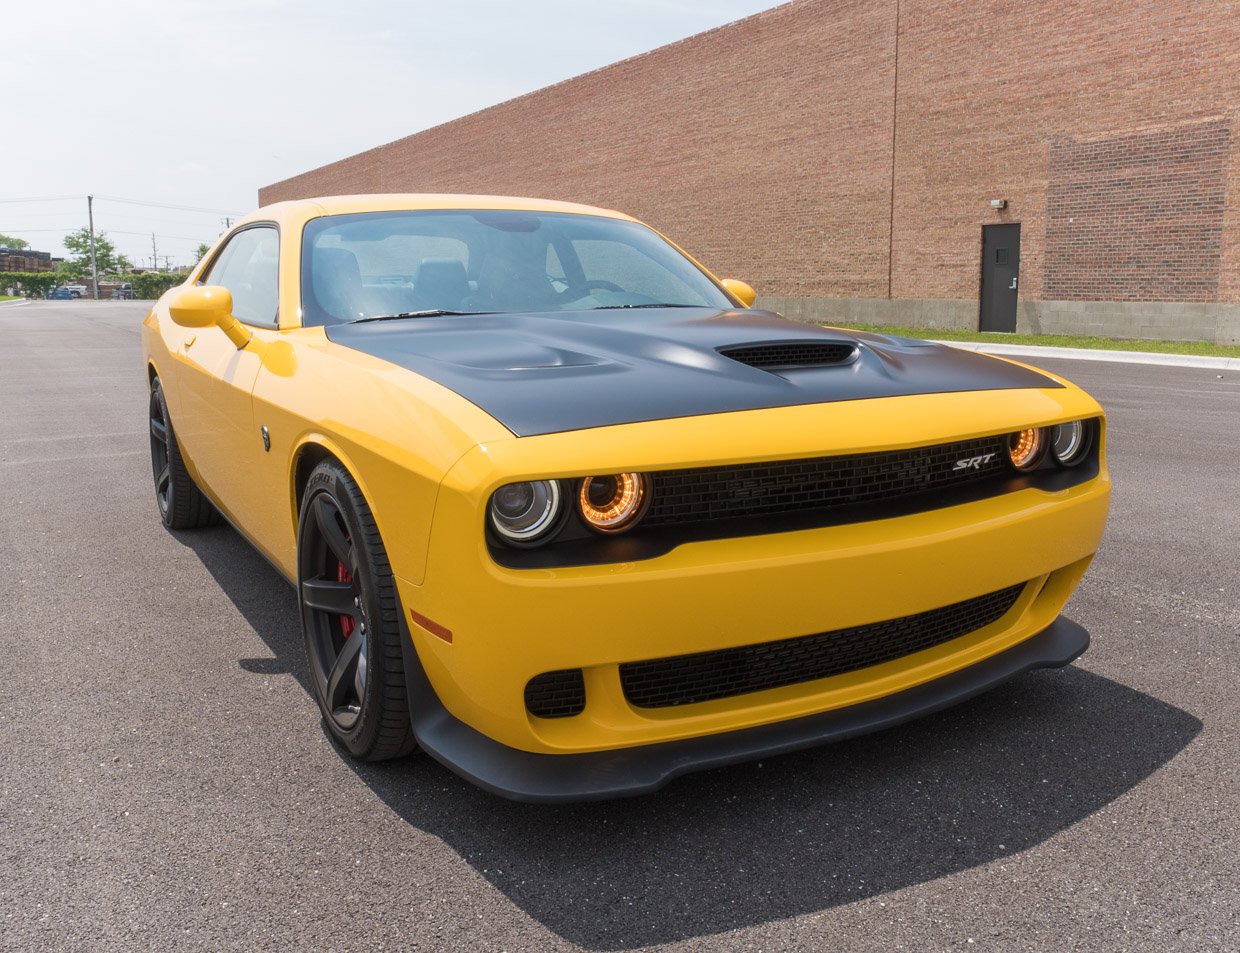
(599,283)
(573,292)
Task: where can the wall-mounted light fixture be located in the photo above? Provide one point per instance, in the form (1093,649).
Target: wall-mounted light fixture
(998,204)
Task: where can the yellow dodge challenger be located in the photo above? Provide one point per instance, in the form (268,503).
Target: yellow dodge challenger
(568,515)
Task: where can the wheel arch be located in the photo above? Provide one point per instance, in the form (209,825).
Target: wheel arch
(310,451)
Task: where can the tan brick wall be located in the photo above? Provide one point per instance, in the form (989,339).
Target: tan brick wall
(766,147)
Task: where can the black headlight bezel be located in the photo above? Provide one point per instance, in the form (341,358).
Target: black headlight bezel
(574,544)
(1048,459)
(548,531)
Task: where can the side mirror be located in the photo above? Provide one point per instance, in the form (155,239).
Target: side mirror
(739,290)
(205,306)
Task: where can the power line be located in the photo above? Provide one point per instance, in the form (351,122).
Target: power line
(105,231)
(114,198)
(180,208)
(128,216)
(52,198)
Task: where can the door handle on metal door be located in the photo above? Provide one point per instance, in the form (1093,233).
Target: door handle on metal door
(1012,286)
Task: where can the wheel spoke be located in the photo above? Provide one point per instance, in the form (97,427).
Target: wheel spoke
(325,514)
(159,431)
(341,678)
(326,596)
(165,477)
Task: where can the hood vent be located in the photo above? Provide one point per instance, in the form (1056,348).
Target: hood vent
(787,355)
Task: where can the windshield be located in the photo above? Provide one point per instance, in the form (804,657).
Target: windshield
(375,264)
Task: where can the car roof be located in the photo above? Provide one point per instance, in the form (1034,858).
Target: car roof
(344,204)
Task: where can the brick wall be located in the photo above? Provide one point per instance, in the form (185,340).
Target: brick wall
(769,147)
(1137,217)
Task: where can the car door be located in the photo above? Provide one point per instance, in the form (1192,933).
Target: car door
(216,379)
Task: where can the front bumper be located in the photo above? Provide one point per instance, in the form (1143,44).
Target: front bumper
(481,631)
(549,778)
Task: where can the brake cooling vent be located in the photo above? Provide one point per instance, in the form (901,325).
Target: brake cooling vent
(686,679)
(559,694)
(786,355)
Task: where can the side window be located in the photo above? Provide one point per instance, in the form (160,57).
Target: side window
(249,267)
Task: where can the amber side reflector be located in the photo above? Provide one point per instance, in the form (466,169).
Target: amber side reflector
(431,626)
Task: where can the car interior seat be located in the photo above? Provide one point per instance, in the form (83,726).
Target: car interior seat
(337,284)
(440,283)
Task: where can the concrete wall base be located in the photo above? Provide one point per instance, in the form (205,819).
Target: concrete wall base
(1140,320)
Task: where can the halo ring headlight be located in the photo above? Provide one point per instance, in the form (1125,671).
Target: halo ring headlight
(1069,442)
(613,503)
(1026,447)
(523,513)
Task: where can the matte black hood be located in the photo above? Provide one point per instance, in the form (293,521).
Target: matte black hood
(550,372)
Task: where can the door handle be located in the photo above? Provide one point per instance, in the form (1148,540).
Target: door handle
(1012,286)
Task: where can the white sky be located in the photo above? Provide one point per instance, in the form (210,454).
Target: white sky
(199,102)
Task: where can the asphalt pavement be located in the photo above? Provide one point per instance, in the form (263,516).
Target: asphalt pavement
(167,784)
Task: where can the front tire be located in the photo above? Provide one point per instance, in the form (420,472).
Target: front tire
(350,619)
(181,504)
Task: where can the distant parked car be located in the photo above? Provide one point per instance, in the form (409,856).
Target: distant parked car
(124,292)
(76,290)
(61,294)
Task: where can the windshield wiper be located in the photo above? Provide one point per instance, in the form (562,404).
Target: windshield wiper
(428,313)
(615,307)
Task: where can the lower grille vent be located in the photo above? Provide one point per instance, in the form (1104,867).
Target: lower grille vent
(559,694)
(686,679)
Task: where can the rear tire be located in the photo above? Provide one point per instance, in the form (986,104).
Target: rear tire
(181,504)
(350,619)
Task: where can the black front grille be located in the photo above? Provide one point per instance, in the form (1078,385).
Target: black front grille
(790,354)
(685,679)
(559,694)
(795,486)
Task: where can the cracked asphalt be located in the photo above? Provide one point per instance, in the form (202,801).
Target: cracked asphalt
(166,783)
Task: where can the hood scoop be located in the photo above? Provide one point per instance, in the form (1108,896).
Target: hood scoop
(790,355)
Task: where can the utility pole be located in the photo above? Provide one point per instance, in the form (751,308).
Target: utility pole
(94,268)
(154,253)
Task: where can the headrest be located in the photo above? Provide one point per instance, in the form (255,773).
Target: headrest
(338,283)
(441,282)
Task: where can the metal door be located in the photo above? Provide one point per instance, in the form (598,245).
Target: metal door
(1000,274)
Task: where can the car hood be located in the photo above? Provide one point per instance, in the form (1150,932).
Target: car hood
(552,372)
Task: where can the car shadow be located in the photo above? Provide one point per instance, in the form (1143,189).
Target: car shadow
(751,844)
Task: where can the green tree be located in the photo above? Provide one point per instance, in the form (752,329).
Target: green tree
(8,241)
(71,269)
(200,252)
(106,256)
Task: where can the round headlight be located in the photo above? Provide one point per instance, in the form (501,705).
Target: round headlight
(1026,447)
(1069,443)
(523,512)
(612,504)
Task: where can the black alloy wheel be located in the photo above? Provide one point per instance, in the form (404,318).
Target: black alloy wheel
(159,453)
(349,619)
(181,504)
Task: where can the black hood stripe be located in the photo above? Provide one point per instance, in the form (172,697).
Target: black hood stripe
(548,373)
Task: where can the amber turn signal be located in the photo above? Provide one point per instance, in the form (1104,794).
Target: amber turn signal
(612,504)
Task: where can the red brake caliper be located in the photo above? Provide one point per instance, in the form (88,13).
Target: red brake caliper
(346,621)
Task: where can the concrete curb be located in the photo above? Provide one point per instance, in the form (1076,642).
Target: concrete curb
(14,304)
(1088,354)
